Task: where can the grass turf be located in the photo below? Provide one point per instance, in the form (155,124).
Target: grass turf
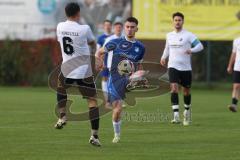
(27,118)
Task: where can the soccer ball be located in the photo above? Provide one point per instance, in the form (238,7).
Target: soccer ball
(125,67)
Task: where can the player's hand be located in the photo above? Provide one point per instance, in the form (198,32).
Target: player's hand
(229,70)
(188,51)
(163,62)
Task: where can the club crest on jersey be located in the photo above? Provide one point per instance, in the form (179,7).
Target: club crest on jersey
(136,49)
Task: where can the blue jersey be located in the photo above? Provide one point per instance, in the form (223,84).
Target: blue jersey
(118,50)
(100,43)
(102,38)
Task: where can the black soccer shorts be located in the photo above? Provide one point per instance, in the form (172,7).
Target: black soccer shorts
(184,78)
(86,86)
(236,77)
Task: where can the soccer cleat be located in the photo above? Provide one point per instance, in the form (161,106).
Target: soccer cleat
(187,117)
(60,123)
(94,141)
(233,107)
(176,119)
(116,139)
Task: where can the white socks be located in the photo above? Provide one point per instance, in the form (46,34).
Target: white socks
(104,86)
(175,109)
(117,128)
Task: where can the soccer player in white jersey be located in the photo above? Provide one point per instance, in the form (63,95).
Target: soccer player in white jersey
(76,68)
(235,61)
(180,45)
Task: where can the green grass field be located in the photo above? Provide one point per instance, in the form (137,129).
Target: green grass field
(27,118)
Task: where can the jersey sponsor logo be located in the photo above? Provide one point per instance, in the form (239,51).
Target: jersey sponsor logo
(125,45)
(176,46)
(133,57)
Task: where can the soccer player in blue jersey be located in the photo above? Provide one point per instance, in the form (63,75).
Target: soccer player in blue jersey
(107,26)
(124,48)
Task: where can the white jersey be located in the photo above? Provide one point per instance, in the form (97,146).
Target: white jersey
(177,43)
(110,38)
(110,54)
(236,49)
(74,39)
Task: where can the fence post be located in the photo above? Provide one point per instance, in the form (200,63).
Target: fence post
(208,68)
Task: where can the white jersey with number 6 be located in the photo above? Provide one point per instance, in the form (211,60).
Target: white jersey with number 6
(74,39)
(236,49)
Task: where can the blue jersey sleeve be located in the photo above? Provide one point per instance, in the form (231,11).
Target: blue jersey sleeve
(110,46)
(100,41)
(142,52)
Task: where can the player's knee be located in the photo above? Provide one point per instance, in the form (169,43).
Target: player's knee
(186,91)
(174,88)
(236,86)
(92,102)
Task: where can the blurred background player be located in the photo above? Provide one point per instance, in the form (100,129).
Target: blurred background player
(180,44)
(121,48)
(76,67)
(235,61)
(117,30)
(107,26)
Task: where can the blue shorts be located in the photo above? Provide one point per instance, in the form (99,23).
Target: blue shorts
(104,72)
(116,87)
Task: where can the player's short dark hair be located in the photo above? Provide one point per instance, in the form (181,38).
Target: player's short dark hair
(118,23)
(132,19)
(178,14)
(107,21)
(72,9)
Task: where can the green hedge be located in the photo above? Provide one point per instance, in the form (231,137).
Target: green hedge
(27,63)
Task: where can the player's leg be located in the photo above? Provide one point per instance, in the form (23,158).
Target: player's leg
(235,97)
(186,81)
(117,88)
(94,120)
(174,78)
(187,106)
(87,88)
(62,101)
(235,92)
(105,73)
(116,120)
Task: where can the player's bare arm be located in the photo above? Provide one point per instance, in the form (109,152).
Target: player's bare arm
(231,62)
(165,55)
(93,46)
